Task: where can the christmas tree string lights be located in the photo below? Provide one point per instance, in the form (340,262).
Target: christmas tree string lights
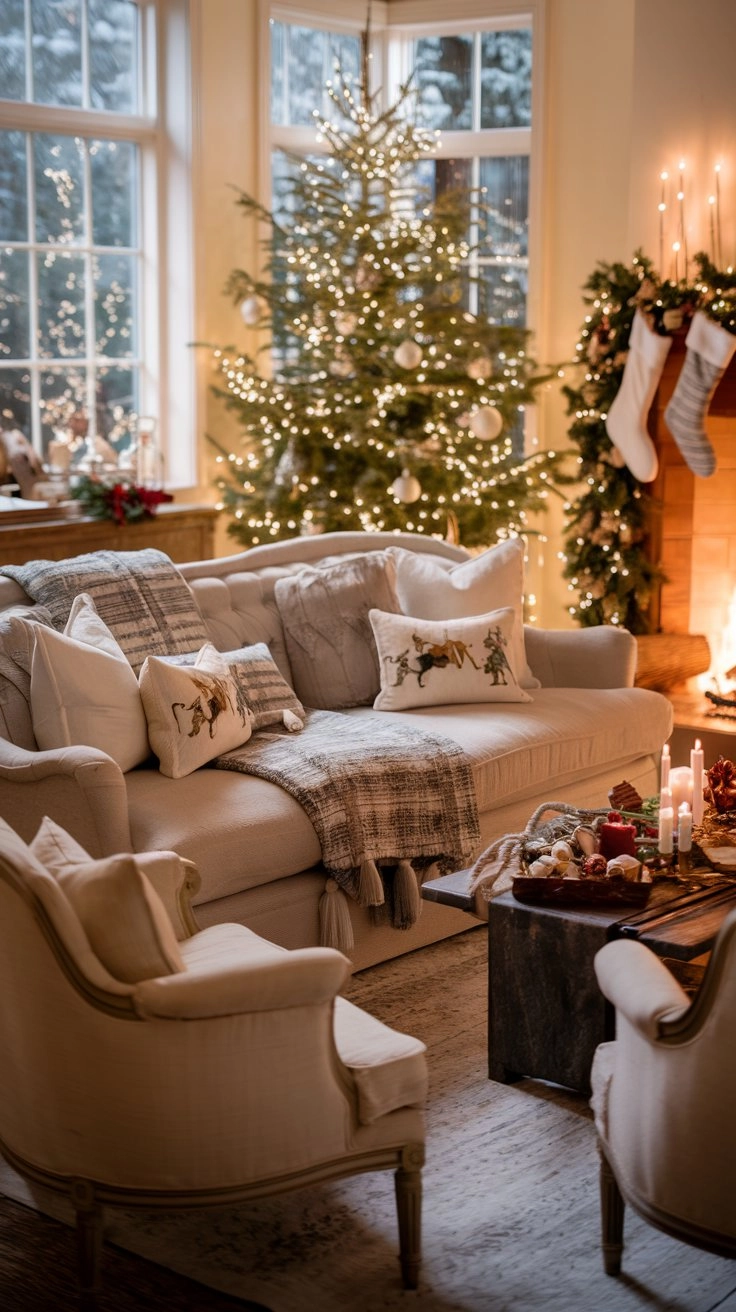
(390,401)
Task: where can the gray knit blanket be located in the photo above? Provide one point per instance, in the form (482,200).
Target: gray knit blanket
(388,802)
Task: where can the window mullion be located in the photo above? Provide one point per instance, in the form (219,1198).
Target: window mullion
(33,322)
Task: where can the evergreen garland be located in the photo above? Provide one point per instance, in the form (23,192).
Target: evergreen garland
(605,545)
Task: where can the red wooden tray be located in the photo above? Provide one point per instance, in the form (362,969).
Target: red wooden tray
(580,892)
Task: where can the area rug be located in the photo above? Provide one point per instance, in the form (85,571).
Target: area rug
(510,1194)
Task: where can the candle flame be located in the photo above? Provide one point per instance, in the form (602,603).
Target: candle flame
(697,744)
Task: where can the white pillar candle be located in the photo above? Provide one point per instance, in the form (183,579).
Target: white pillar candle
(681,786)
(684,828)
(59,455)
(664,768)
(666,830)
(697,764)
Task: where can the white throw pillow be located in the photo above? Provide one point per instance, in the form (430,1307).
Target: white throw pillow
(264,689)
(193,713)
(474,587)
(84,691)
(440,663)
(119,909)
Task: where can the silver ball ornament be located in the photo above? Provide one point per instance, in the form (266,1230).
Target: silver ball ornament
(408,354)
(486,423)
(250,311)
(406,487)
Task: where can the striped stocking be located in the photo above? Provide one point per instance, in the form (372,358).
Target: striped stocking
(709,349)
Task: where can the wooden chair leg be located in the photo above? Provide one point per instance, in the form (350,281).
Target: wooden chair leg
(408,1182)
(612,1218)
(89,1242)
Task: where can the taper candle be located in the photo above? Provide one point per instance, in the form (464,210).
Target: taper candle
(664,766)
(666,837)
(684,828)
(697,763)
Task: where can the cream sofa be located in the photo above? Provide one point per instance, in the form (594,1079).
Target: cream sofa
(582,730)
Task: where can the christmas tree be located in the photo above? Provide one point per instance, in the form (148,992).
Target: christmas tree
(388,400)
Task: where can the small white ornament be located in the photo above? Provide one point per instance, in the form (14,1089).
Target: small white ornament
(406,487)
(480,368)
(408,354)
(250,311)
(345,322)
(341,366)
(486,423)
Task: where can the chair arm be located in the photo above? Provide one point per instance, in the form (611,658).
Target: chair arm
(176,880)
(601,657)
(303,978)
(640,987)
(79,787)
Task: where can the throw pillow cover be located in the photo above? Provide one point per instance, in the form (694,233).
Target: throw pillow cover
(119,909)
(194,713)
(261,684)
(440,663)
(487,582)
(324,611)
(84,691)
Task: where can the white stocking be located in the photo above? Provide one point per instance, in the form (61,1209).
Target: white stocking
(626,423)
(709,349)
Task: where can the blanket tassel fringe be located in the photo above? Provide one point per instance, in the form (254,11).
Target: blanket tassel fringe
(370,885)
(407,902)
(335,925)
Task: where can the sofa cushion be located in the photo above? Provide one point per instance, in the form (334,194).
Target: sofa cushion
(140,595)
(119,909)
(437,590)
(329,639)
(430,663)
(84,691)
(261,684)
(193,714)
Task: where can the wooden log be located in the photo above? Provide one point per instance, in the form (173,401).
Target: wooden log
(667,659)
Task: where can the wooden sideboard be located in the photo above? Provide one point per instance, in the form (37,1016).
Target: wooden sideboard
(184,532)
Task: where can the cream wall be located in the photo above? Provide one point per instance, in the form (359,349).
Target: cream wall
(629,88)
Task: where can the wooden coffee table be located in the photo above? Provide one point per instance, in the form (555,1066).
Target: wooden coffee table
(546,1014)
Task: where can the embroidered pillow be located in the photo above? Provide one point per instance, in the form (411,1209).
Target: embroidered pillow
(140,595)
(84,691)
(193,714)
(440,663)
(324,611)
(119,909)
(474,587)
(262,685)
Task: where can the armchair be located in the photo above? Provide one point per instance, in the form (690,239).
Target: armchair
(663,1097)
(235,1072)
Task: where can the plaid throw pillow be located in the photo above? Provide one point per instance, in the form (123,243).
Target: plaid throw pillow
(140,595)
(260,681)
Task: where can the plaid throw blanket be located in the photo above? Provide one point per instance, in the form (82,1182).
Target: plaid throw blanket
(140,595)
(387,801)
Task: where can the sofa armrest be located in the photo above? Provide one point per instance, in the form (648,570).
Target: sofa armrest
(79,787)
(176,880)
(639,986)
(601,657)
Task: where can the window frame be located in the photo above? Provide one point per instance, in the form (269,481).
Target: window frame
(162,132)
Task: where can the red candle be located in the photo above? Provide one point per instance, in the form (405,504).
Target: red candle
(616,838)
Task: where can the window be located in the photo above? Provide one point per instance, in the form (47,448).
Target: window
(83,160)
(474,88)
